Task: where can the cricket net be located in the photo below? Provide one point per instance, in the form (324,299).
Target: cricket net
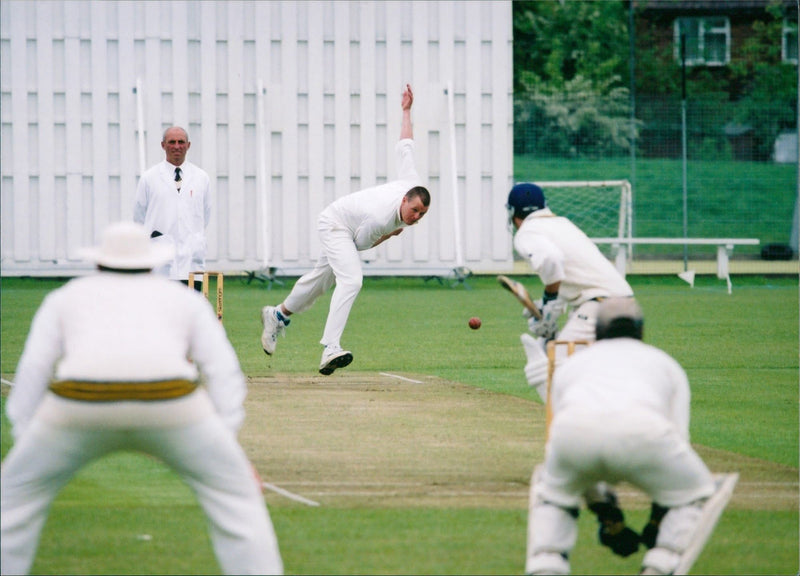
(601,208)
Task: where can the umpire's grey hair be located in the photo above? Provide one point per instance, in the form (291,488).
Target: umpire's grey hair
(619,318)
(168,128)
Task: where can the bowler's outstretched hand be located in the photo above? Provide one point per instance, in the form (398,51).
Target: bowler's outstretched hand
(408,98)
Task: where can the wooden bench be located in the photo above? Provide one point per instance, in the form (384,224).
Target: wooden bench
(622,247)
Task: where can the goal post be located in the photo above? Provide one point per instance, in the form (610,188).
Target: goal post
(600,208)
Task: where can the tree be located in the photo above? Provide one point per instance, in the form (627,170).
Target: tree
(555,42)
(570,77)
(577,121)
(755,69)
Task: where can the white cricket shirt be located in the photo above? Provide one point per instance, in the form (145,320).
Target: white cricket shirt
(120,327)
(373,212)
(559,251)
(623,376)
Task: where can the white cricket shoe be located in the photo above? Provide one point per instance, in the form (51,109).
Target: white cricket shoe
(272,327)
(334,357)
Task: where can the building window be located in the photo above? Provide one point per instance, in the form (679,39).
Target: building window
(789,46)
(708,41)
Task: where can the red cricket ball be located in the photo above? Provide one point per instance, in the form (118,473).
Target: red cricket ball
(474,322)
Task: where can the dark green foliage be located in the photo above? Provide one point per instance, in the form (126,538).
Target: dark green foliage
(572,68)
(556,42)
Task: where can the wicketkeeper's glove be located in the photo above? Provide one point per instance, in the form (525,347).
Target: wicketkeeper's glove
(650,531)
(613,532)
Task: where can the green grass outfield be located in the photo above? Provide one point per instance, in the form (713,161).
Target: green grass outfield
(427,473)
(720,196)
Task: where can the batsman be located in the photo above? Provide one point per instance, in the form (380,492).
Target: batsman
(575,274)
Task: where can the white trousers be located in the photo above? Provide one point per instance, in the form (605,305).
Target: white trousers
(338,264)
(585,448)
(196,445)
(644,449)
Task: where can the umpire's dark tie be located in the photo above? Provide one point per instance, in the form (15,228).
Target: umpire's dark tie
(178,178)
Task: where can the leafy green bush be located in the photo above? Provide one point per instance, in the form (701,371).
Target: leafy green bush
(582,119)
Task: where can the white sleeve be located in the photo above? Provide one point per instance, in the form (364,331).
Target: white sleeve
(140,202)
(406,170)
(43,348)
(217,362)
(545,258)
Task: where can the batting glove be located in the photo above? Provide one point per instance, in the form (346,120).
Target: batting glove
(548,326)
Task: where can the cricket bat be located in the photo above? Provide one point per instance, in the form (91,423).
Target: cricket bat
(519,291)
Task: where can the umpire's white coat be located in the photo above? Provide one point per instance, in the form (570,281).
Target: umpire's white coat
(181,217)
(121,327)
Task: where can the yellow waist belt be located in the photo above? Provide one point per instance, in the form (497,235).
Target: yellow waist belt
(117,391)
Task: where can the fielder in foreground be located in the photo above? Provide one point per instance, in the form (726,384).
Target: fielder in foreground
(621,413)
(355,222)
(574,272)
(106,368)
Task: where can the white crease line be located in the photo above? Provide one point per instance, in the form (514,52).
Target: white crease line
(4,381)
(449,494)
(792,483)
(521,494)
(398,489)
(400,377)
(360,484)
(289,495)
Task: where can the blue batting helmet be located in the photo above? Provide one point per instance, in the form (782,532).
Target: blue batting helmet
(524,199)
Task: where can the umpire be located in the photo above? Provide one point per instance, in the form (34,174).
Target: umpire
(112,363)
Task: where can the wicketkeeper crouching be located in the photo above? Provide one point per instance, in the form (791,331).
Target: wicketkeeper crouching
(621,413)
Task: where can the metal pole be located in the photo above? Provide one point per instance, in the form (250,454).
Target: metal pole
(140,126)
(454,174)
(683,144)
(263,180)
(632,66)
(793,239)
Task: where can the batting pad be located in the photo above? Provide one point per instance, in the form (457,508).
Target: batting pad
(712,510)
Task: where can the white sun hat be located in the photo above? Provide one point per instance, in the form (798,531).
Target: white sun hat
(127,246)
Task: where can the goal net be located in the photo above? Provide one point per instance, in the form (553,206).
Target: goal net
(601,208)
